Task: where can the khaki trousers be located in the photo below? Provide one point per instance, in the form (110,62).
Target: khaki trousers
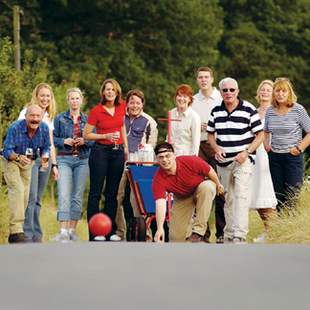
(236,180)
(120,218)
(17,178)
(183,208)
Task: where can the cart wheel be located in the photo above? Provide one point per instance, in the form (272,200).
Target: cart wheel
(136,229)
(153,227)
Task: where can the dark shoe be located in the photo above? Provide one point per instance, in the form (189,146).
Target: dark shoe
(205,238)
(195,238)
(220,240)
(16,238)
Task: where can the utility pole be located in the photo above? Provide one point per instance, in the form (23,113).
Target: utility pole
(16,30)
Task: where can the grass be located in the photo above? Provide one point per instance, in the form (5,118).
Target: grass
(293,228)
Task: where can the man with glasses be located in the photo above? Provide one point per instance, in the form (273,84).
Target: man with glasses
(239,132)
(194,184)
(204,101)
(25,135)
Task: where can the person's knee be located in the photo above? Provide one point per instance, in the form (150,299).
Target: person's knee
(207,187)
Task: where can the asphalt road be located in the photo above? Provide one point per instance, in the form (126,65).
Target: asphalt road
(152,276)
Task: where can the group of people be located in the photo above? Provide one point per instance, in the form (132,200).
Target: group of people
(223,152)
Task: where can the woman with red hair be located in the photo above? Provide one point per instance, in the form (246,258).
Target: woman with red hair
(185,132)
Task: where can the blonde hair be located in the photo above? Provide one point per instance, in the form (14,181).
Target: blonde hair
(268,82)
(51,109)
(74,90)
(284,83)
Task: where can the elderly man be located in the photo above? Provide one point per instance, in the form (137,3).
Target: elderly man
(204,101)
(24,141)
(194,184)
(239,132)
(141,129)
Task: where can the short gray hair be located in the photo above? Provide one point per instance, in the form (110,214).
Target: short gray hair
(228,80)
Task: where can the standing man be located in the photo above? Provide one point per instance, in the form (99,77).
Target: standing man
(204,101)
(239,132)
(32,135)
(141,129)
(194,184)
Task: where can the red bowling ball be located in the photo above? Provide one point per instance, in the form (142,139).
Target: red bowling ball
(100,225)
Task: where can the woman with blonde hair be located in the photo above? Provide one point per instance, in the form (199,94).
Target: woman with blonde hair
(42,96)
(285,122)
(108,155)
(72,157)
(263,198)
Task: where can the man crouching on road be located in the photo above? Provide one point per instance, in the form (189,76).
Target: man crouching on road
(194,184)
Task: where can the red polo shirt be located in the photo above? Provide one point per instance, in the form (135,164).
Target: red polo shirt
(105,122)
(191,171)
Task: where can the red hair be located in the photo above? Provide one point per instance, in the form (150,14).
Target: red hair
(185,89)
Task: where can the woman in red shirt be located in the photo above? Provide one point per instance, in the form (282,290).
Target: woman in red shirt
(107,157)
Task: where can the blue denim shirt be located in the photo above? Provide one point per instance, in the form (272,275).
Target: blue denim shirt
(63,128)
(17,139)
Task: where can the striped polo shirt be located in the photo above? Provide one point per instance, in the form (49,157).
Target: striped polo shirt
(235,131)
(286,130)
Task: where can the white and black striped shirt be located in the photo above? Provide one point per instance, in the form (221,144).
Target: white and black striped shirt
(286,130)
(235,131)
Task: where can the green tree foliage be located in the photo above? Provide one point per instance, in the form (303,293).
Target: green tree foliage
(266,39)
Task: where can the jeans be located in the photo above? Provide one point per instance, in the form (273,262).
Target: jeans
(39,180)
(73,173)
(106,165)
(287,173)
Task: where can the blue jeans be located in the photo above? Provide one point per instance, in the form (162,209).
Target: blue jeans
(39,180)
(287,173)
(73,173)
(106,165)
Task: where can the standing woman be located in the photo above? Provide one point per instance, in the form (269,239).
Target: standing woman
(107,156)
(285,122)
(72,157)
(263,198)
(185,133)
(43,96)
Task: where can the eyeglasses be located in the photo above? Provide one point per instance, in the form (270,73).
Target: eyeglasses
(225,90)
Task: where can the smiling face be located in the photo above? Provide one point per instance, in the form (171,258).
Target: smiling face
(167,161)
(75,100)
(204,80)
(229,92)
(134,106)
(109,92)
(281,95)
(265,93)
(182,102)
(44,98)
(34,116)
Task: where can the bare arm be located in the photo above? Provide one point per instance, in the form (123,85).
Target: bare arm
(303,144)
(213,177)
(53,156)
(160,219)
(125,141)
(219,153)
(267,141)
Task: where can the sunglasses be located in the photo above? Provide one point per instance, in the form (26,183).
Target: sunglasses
(225,90)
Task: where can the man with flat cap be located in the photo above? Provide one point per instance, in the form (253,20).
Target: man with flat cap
(194,184)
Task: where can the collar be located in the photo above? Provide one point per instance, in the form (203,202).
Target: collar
(186,112)
(212,96)
(239,105)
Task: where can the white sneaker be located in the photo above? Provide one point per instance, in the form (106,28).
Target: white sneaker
(62,237)
(100,238)
(260,239)
(239,240)
(115,238)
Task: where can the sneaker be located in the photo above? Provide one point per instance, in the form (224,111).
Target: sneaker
(220,240)
(228,240)
(260,239)
(195,238)
(99,238)
(62,237)
(115,238)
(206,239)
(73,236)
(239,240)
(16,238)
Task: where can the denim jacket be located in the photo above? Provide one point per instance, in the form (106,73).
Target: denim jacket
(63,128)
